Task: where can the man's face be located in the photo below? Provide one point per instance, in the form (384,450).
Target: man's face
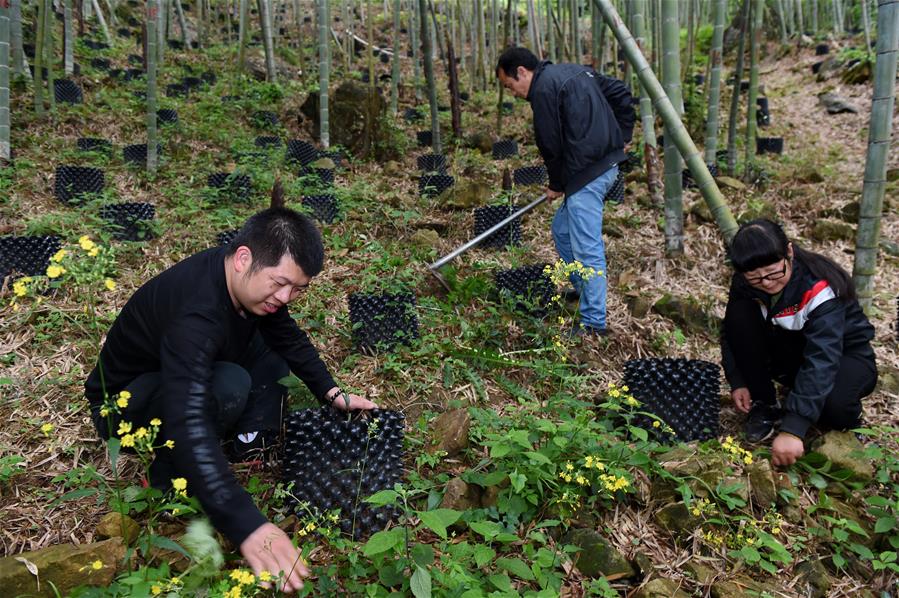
(266,290)
(518,86)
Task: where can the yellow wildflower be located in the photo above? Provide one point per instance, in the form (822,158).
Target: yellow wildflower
(104,411)
(169,444)
(233,592)
(124,428)
(109,284)
(265,575)
(156,590)
(57,257)
(141,432)
(310,527)
(179,484)
(46,429)
(656,424)
(19,288)
(128,440)
(122,402)
(85,242)
(54,271)
(588,461)
(155,422)
(125,394)
(581,480)
(94,251)
(97,565)
(569,466)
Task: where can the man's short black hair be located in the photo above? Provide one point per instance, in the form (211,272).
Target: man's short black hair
(514,57)
(275,232)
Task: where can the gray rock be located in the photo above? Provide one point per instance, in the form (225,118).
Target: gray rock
(812,579)
(677,520)
(467,194)
(116,525)
(836,104)
(65,566)
(449,432)
(703,574)
(887,379)
(461,496)
(830,230)
(892,175)
(660,588)
(730,182)
(761,481)
(686,313)
(844,450)
(829,67)
(425,238)
(638,305)
(597,556)
(701,471)
(741,587)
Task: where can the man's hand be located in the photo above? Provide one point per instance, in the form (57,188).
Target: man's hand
(742,399)
(356,402)
(269,549)
(554,195)
(786,449)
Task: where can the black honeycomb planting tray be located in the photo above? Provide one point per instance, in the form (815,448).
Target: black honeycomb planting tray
(94,144)
(431,185)
(333,155)
(682,392)
(135,60)
(264,119)
(123,32)
(231,186)
(431,163)
(762,113)
(301,151)
(177,90)
(530,175)
(267,141)
(487,216)
(424,138)
(323,207)
(137,153)
(225,237)
(175,44)
(209,77)
(631,162)
(27,256)
(336,460)
(95,45)
(325,176)
(129,221)
(193,83)
(615,194)
(508,107)
(687,180)
(132,74)
(529,286)
(505,148)
(167,116)
(101,64)
(769,145)
(67,91)
(822,50)
(384,320)
(412,115)
(71,183)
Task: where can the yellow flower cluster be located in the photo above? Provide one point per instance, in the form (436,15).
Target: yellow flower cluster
(59,255)
(89,246)
(560,272)
(622,393)
(55,271)
(46,429)
(736,451)
(122,401)
(243,577)
(702,506)
(172,584)
(180,486)
(20,287)
(613,483)
(307,529)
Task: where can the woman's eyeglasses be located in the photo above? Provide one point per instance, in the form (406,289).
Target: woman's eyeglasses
(773,276)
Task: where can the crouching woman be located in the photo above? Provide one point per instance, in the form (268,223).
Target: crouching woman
(792,317)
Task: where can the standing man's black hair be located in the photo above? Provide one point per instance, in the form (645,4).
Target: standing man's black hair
(273,233)
(514,57)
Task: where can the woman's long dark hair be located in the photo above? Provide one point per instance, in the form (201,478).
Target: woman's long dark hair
(761,243)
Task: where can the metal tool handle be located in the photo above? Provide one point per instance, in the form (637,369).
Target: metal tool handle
(480,238)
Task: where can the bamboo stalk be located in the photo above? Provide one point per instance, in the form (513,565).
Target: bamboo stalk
(395,64)
(39,60)
(324,71)
(429,77)
(5,147)
(152,56)
(671,81)
(68,39)
(716,59)
(242,20)
(735,94)
(48,55)
(882,103)
(755,42)
(650,146)
(102,21)
(20,62)
(182,23)
(271,73)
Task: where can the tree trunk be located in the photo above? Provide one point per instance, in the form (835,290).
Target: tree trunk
(671,78)
(456,109)
(102,21)
(674,127)
(151,54)
(550,31)
(20,62)
(716,58)
(395,62)
(413,39)
(784,34)
(39,60)
(182,22)
(68,51)
(324,71)
(800,24)
(755,42)
(5,153)
(429,77)
(650,146)
(242,22)
(867,25)
(814,17)
(161,36)
(735,95)
(871,205)
(532,30)
(576,47)
(370,33)
(686,70)
(271,74)
(49,51)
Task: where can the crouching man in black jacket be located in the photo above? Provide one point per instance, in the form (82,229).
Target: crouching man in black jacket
(198,351)
(582,121)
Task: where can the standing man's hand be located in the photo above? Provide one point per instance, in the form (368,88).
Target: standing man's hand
(786,449)
(346,401)
(269,549)
(554,195)
(742,399)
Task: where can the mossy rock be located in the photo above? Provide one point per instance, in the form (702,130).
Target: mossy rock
(758,208)
(355,114)
(677,520)
(425,238)
(831,230)
(686,312)
(844,450)
(741,587)
(847,213)
(661,588)
(597,557)
(812,579)
(61,568)
(761,482)
(858,73)
(467,194)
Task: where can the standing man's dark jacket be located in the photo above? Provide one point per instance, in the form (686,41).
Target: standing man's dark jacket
(180,323)
(582,120)
(831,327)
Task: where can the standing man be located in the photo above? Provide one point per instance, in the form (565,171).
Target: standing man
(198,351)
(582,121)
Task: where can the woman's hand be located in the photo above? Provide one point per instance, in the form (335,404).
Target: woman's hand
(786,449)
(742,399)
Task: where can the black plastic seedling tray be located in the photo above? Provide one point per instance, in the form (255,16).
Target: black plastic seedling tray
(529,175)
(267,142)
(685,393)
(487,216)
(67,91)
(130,221)
(822,50)
(769,145)
(505,148)
(231,186)
(528,286)
(431,185)
(167,116)
(94,144)
(177,90)
(411,115)
(334,461)
(27,256)
(383,321)
(225,237)
(687,180)
(615,194)
(631,162)
(193,83)
(324,176)
(301,151)
(137,153)
(424,138)
(132,74)
(324,208)
(264,119)
(432,163)
(71,183)
(101,64)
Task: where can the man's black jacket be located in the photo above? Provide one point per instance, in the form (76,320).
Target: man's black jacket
(180,323)
(831,327)
(582,120)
